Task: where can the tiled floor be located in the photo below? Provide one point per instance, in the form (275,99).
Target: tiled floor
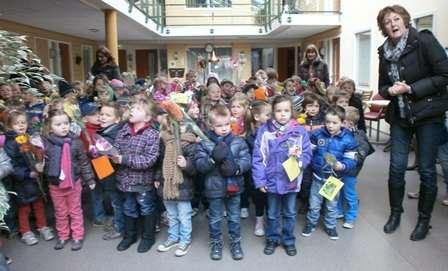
(364,248)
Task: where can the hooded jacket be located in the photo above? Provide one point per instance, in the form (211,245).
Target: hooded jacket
(271,150)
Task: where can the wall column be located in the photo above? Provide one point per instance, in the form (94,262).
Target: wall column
(110,16)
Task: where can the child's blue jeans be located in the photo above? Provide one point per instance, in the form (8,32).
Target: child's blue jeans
(348,199)
(281,217)
(139,203)
(216,215)
(316,204)
(179,218)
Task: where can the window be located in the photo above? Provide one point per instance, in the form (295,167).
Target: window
(87,56)
(208,3)
(163,61)
(60,55)
(262,58)
(425,22)
(223,67)
(55,58)
(363,59)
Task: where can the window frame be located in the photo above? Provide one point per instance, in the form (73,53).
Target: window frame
(356,60)
(422,15)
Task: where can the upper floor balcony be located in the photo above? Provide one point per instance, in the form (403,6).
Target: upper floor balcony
(174,19)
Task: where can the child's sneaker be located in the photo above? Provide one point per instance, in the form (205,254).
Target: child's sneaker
(348,225)
(308,230)
(332,233)
(244,213)
(29,238)
(98,223)
(445,200)
(236,251)
(182,249)
(76,245)
(339,216)
(195,212)
(111,235)
(167,245)
(60,244)
(216,250)
(413,195)
(46,233)
(259,226)
(8,260)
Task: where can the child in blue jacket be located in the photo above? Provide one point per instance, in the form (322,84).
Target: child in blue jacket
(223,160)
(331,140)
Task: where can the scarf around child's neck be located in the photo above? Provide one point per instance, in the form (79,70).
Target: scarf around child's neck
(60,165)
(280,128)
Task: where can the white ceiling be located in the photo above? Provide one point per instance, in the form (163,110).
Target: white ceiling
(71,17)
(76,17)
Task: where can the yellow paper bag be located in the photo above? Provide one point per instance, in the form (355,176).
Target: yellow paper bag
(331,188)
(292,168)
(102,167)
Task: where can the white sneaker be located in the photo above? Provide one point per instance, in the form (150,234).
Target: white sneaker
(182,249)
(29,238)
(244,213)
(194,212)
(445,200)
(348,225)
(167,245)
(259,226)
(46,233)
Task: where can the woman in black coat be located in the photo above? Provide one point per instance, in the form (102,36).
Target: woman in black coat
(313,66)
(105,64)
(413,75)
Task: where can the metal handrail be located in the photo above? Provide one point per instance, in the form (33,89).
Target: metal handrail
(263,14)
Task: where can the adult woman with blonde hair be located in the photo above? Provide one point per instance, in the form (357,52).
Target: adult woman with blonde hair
(413,75)
(105,64)
(313,66)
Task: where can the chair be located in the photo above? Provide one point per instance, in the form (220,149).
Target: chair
(366,95)
(376,113)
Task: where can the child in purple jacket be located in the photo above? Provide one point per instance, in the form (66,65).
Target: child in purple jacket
(138,148)
(278,140)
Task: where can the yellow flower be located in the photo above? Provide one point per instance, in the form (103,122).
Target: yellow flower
(21,139)
(301,119)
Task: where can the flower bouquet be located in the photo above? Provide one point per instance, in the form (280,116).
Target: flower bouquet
(104,147)
(32,149)
(178,115)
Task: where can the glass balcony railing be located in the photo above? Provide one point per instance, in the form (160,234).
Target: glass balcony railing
(262,13)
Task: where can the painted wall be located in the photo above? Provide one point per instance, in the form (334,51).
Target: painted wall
(359,16)
(38,42)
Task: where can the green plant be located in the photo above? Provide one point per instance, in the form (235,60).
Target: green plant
(18,63)
(4,205)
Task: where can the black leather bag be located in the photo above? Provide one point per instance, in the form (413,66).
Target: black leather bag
(429,107)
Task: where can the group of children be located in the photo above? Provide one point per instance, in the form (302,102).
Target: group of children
(248,133)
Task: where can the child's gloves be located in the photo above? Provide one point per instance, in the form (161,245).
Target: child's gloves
(228,168)
(220,152)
